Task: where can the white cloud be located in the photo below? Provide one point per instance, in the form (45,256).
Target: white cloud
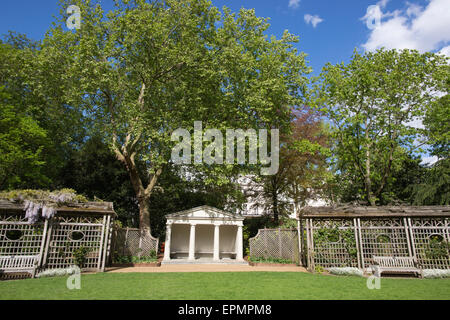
(429,160)
(313,20)
(382,3)
(445,51)
(413,10)
(414,27)
(294,4)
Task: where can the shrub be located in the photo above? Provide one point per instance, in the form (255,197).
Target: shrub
(270,260)
(57,272)
(436,273)
(319,269)
(136,259)
(153,254)
(437,248)
(80,255)
(348,271)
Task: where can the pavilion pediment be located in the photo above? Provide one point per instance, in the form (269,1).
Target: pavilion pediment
(203,212)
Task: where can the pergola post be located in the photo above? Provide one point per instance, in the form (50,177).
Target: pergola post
(239,244)
(167,243)
(216,256)
(192,243)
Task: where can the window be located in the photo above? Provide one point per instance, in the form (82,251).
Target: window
(333,235)
(76,235)
(383,238)
(14,235)
(436,238)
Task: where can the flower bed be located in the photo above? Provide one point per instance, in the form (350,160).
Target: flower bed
(137,265)
(133,261)
(272,262)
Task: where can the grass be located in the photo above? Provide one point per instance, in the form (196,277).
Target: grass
(224,286)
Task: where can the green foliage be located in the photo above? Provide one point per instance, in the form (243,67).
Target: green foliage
(270,260)
(324,236)
(319,269)
(303,169)
(383,239)
(153,254)
(371,102)
(437,248)
(135,259)
(176,192)
(434,186)
(33,112)
(22,141)
(145,69)
(252,225)
(80,255)
(437,124)
(288,223)
(109,181)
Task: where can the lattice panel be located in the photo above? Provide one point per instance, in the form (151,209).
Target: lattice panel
(334,243)
(62,244)
(383,237)
(80,219)
(132,242)
(431,242)
(270,243)
(53,240)
(29,241)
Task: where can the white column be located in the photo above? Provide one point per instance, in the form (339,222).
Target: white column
(167,243)
(192,243)
(239,244)
(216,241)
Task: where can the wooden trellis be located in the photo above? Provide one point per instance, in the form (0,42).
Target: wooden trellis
(351,236)
(275,243)
(335,243)
(422,230)
(133,242)
(54,241)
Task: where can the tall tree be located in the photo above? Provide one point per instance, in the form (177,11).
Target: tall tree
(437,123)
(39,99)
(108,182)
(373,102)
(434,187)
(21,143)
(303,168)
(146,69)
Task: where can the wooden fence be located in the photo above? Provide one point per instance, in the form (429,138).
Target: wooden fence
(133,242)
(352,238)
(275,243)
(80,230)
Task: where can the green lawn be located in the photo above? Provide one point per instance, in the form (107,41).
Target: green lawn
(230,285)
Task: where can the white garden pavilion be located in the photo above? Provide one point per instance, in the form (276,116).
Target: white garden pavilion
(203,235)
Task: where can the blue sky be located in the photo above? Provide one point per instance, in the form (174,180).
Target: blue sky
(338,25)
(329,30)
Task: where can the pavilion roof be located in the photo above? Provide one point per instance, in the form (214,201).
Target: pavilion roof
(348,211)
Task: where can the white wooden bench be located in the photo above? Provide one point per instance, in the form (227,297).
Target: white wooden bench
(18,263)
(395,265)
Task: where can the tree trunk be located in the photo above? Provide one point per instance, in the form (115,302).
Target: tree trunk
(142,194)
(275,206)
(144,213)
(368,180)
